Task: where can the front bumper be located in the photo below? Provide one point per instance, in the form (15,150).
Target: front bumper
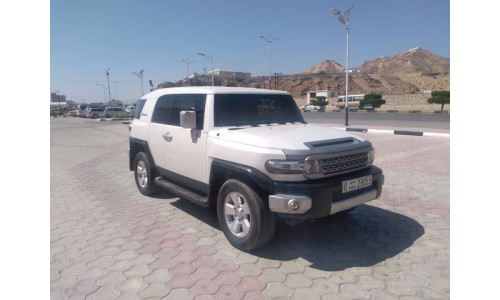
(320,198)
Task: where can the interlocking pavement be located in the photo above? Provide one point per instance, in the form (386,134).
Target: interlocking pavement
(110,242)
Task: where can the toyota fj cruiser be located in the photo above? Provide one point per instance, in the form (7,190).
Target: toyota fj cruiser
(249,153)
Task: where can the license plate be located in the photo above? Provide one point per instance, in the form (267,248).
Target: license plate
(356,184)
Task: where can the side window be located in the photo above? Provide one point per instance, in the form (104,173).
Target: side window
(161,113)
(194,102)
(140,106)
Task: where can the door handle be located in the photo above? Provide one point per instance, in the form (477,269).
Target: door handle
(168,137)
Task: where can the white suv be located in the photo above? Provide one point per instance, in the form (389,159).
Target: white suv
(94,112)
(249,153)
(111,112)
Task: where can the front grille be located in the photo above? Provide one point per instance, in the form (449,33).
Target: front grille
(341,164)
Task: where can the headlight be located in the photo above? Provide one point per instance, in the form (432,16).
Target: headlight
(292,166)
(371,156)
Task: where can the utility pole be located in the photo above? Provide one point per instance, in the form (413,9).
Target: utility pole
(344,20)
(109,88)
(116,89)
(270,40)
(212,59)
(59,100)
(140,75)
(187,62)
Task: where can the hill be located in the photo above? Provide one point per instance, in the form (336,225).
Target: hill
(409,72)
(414,62)
(328,66)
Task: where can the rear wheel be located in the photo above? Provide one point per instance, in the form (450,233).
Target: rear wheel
(143,173)
(244,218)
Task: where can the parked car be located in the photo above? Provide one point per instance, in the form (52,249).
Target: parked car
(82,108)
(250,154)
(95,112)
(74,113)
(368,107)
(111,112)
(309,107)
(131,110)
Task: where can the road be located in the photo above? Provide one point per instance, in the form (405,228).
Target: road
(108,241)
(395,121)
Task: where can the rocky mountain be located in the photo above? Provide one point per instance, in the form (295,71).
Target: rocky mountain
(328,66)
(414,62)
(409,72)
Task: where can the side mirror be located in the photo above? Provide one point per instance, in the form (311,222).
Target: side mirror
(188,119)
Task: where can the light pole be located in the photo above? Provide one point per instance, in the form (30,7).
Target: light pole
(344,19)
(116,89)
(59,100)
(140,75)
(103,91)
(270,40)
(187,62)
(212,59)
(109,88)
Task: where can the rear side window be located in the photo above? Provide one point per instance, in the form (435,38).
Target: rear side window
(140,106)
(161,113)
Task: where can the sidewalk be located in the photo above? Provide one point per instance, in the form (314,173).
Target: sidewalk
(108,241)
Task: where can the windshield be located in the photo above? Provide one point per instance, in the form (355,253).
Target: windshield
(255,109)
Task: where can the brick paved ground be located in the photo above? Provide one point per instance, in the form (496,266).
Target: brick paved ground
(110,242)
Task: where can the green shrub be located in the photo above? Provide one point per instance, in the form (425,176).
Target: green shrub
(123,115)
(373,99)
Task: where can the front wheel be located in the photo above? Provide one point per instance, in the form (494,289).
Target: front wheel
(143,173)
(244,218)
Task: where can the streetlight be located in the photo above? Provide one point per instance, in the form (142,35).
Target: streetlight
(109,88)
(270,40)
(59,100)
(140,75)
(116,89)
(212,59)
(187,62)
(103,91)
(344,19)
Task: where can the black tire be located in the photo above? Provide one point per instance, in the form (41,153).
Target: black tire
(244,218)
(144,175)
(94,116)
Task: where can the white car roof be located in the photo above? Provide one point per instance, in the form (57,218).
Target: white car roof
(210,90)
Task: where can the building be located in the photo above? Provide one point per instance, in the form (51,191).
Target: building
(311,95)
(57,98)
(228,73)
(57,101)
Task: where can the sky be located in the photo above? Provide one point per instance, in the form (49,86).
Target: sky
(126,36)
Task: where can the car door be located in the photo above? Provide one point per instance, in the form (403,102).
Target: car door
(184,150)
(159,120)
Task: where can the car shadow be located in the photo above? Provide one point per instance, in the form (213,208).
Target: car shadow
(363,238)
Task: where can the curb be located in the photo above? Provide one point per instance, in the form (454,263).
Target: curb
(124,120)
(392,111)
(395,132)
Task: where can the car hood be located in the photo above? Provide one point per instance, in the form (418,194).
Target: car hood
(290,136)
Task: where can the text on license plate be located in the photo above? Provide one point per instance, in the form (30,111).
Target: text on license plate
(356,184)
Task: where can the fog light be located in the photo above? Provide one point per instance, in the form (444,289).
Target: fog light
(293,204)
